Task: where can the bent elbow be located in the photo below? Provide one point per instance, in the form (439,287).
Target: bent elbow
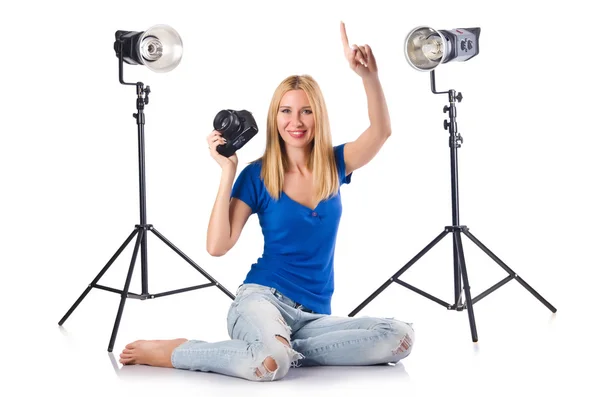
(383,131)
(217,251)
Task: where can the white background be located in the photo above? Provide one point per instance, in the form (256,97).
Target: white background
(528,189)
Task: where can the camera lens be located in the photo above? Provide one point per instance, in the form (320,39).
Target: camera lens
(226,121)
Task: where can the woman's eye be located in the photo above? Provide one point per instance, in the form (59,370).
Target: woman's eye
(305,111)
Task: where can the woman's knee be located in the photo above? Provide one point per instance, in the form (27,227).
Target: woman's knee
(273,360)
(398,337)
(404,339)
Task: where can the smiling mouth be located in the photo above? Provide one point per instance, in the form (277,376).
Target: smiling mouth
(297,134)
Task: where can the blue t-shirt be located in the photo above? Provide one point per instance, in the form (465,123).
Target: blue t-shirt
(299,242)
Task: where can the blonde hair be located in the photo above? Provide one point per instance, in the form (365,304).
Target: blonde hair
(321,160)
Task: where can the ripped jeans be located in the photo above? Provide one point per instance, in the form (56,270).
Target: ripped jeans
(260,316)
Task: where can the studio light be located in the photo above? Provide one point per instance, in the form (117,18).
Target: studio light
(160,49)
(426,49)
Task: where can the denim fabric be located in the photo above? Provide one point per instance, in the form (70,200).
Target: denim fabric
(259,314)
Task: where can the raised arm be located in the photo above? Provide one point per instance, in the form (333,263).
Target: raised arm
(359,152)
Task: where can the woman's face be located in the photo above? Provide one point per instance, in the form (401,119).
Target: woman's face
(295,119)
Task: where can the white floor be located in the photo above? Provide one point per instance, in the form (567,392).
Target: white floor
(523,349)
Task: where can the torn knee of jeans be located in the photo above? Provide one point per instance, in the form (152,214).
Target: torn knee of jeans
(404,346)
(295,357)
(293,354)
(268,366)
(283,340)
(279,359)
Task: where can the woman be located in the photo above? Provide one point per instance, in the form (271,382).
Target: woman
(281,316)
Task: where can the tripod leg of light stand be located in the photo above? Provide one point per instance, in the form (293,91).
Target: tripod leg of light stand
(125,290)
(191,262)
(457,276)
(144,264)
(398,273)
(510,271)
(98,277)
(467,288)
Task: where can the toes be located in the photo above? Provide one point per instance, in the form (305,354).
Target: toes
(128,361)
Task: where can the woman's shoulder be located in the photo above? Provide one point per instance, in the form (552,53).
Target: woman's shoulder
(338,151)
(337,148)
(340,161)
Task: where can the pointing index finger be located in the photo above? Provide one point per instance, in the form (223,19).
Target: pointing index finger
(344,36)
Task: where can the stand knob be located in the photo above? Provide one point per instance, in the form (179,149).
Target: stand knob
(459,97)
(446,108)
(147,91)
(446,124)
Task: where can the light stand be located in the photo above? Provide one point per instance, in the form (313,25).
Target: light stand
(141,230)
(460,268)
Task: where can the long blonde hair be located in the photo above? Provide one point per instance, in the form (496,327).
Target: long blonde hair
(321,160)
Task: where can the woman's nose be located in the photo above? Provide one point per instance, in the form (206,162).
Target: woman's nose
(296,121)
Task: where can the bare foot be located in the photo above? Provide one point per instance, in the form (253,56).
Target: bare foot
(156,353)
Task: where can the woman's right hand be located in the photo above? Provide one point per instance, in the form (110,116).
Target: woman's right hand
(215,139)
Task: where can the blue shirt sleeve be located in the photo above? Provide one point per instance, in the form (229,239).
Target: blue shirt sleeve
(249,188)
(341,164)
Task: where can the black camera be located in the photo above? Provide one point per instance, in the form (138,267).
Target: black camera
(237,127)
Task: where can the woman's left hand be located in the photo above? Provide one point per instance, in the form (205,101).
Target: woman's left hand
(360,58)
